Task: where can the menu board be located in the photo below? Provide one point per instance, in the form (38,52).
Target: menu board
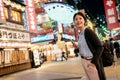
(26,55)
(14,56)
(21,56)
(0,58)
(7,56)
(36,57)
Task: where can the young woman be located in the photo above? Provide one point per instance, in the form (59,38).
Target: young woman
(90,49)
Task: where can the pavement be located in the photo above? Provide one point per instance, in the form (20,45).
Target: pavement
(61,70)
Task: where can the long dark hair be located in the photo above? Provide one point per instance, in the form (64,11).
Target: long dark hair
(81,14)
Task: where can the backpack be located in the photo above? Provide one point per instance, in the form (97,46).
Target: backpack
(107,57)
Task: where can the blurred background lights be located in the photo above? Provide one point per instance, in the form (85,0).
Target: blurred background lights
(60,12)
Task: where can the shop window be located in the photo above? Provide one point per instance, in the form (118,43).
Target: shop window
(16,16)
(12,15)
(6,13)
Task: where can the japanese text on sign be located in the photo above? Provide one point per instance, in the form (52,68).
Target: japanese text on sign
(2,17)
(111,15)
(31,15)
(14,35)
(110,12)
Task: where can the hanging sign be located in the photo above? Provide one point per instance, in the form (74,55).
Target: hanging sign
(31,15)
(111,14)
(2,16)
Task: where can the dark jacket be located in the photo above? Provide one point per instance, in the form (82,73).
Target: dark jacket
(96,47)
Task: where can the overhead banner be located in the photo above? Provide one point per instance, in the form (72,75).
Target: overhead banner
(31,18)
(2,16)
(111,14)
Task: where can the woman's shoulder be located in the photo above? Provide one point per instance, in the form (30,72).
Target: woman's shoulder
(88,30)
(90,33)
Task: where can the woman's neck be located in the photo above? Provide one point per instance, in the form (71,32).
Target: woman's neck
(81,28)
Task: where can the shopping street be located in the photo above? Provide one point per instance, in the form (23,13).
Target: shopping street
(61,70)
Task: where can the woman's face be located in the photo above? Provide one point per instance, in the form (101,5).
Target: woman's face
(79,21)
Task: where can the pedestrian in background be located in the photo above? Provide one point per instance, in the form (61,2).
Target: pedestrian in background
(111,46)
(117,48)
(90,49)
(63,55)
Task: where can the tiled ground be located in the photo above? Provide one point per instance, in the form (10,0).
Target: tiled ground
(61,70)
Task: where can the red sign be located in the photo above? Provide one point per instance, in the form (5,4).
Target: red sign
(31,16)
(111,14)
(39,10)
(2,16)
(69,31)
(45,31)
(42,32)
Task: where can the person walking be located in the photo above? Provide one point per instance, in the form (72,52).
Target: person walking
(90,49)
(111,46)
(63,56)
(117,49)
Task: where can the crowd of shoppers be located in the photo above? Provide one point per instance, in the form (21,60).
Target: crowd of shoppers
(114,46)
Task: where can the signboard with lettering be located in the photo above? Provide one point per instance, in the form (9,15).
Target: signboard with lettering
(36,57)
(31,15)
(0,58)
(111,14)
(67,36)
(10,35)
(2,16)
(42,38)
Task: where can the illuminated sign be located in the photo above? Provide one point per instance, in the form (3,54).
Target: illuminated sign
(41,38)
(111,14)
(31,16)
(2,16)
(10,35)
(66,36)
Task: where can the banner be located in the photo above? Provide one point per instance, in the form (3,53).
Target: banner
(2,16)
(111,14)
(31,18)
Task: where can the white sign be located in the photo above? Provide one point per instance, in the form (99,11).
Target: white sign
(14,35)
(0,58)
(36,57)
(7,56)
(14,26)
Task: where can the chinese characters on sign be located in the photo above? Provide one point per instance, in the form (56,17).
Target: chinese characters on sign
(111,14)
(14,35)
(31,16)
(2,16)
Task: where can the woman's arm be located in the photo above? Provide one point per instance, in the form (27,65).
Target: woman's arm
(94,44)
(74,44)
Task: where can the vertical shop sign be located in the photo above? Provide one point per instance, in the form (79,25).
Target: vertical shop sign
(36,58)
(2,16)
(60,27)
(31,15)
(111,14)
(25,20)
(0,58)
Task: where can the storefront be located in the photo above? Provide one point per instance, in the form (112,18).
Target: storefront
(14,39)
(14,46)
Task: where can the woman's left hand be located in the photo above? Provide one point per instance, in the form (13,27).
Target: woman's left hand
(91,64)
